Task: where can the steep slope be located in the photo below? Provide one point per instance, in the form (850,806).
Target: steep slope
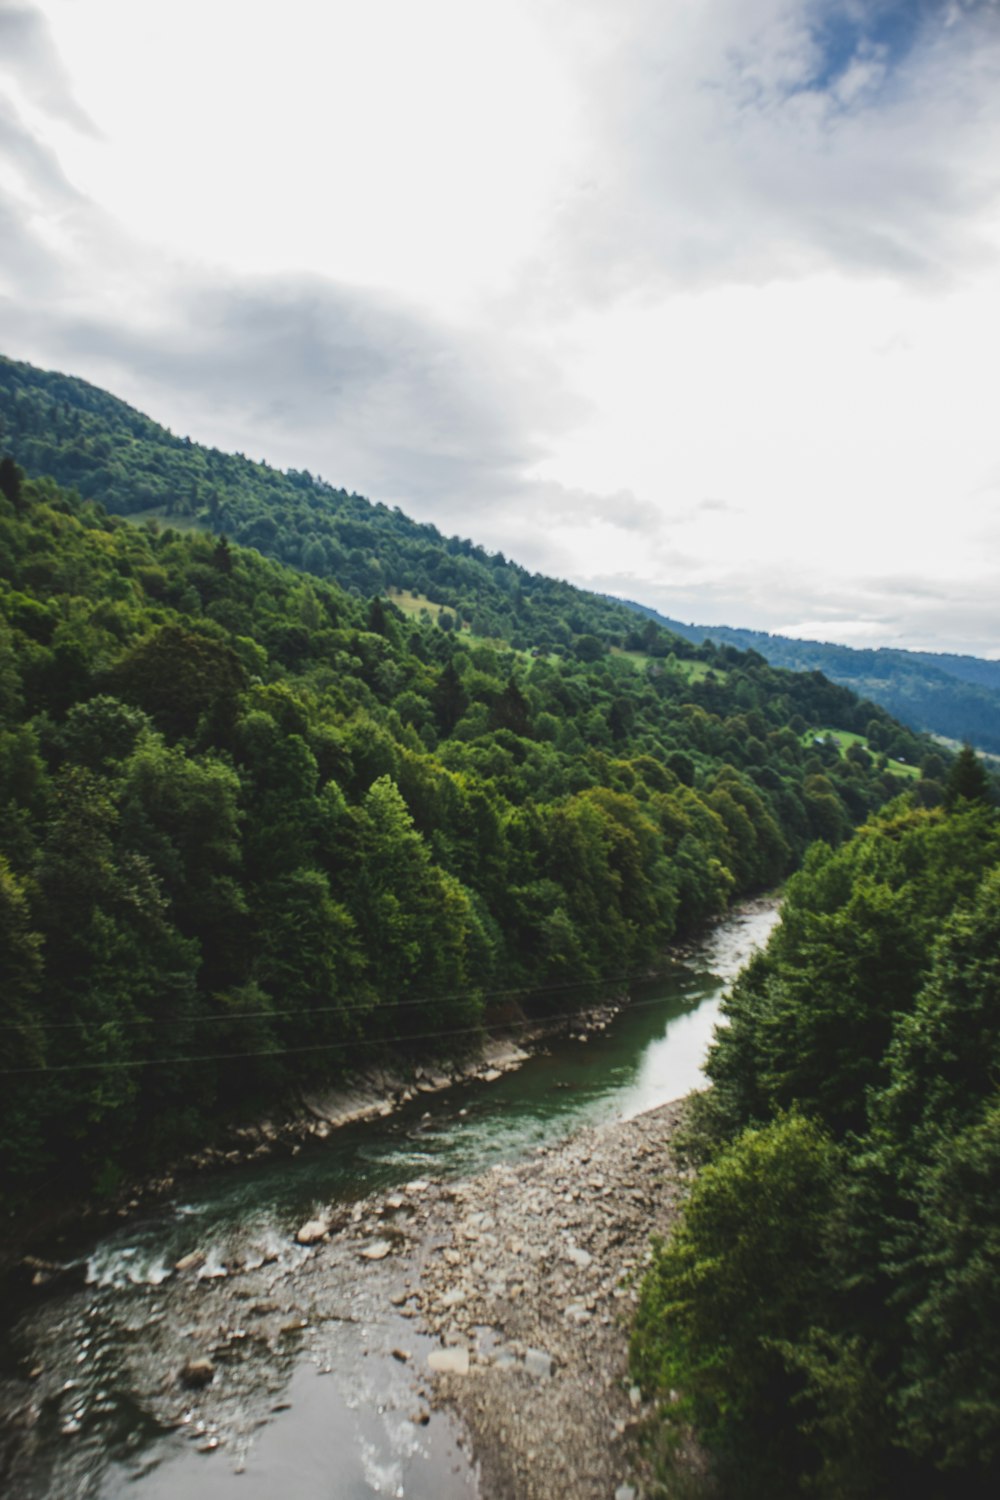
(86,439)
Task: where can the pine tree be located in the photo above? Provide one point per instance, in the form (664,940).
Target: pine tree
(967,779)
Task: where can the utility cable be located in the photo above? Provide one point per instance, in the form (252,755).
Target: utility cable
(417,1036)
(361,1006)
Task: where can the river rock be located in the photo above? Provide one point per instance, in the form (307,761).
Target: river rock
(312,1231)
(539,1364)
(197,1372)
(377,1250)
(453,1361)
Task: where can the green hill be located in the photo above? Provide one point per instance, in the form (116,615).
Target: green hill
(957,697)
(88,440)
(256,828)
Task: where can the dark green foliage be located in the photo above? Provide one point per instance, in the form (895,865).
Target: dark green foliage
(967,780)
(244,812)
(81,436)
(875,1016)
(10,482)
(741,1276)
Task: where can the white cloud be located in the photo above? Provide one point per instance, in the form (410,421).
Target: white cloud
(695,295)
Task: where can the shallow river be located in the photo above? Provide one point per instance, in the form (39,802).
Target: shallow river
(103,1414)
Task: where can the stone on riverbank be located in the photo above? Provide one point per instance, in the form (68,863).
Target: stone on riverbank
(197,1372)
(313,1231)
(453,1361)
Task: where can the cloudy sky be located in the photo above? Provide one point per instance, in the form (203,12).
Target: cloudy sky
(694,301)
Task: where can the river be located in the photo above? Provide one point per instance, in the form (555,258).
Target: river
(307,1394)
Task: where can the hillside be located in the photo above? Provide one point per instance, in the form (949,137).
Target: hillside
(83,437)
(90,441)
(255,830)
(957,697)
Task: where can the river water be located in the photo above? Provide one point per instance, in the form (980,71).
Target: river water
(89,1394)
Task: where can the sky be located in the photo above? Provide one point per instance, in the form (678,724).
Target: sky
(696,302)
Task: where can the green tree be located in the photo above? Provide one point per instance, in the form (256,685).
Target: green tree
(966,779)
(741,1274)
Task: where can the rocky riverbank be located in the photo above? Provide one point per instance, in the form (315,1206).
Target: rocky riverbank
(373,1094)
(526,1278)
(487,1314)
(533,1270)
(487,1318)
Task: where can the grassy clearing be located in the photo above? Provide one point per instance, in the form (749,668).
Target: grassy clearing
(415,604)
(165,519)
(844,738)
(691,671)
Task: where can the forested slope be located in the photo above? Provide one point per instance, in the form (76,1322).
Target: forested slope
(939,692)
(83,437)
(829,1307)
(254,829)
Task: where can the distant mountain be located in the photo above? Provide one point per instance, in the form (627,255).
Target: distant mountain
(957,697)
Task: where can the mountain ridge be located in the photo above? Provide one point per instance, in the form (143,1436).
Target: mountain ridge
(949,694)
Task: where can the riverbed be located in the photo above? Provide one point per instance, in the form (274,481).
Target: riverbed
(309,1386)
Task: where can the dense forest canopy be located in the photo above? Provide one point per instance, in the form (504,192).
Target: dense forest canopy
(853,1144)
(254,827)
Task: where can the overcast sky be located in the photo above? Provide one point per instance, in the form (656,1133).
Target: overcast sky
(692,301)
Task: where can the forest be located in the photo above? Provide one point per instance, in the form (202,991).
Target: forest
(957,697)
(828,1308)
(256,830)
(60,426)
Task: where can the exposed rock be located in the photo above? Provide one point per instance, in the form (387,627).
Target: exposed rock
(190,1262)
(197,1372)
(504,1256)
(453,1361)
(313,1230)
(539,1364)
(377,1250)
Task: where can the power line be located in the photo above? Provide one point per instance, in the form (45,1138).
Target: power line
(350,1009)
(418,1036)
